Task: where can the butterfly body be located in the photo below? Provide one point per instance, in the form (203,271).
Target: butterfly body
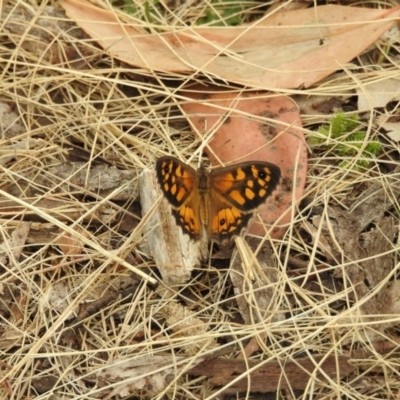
(219,203)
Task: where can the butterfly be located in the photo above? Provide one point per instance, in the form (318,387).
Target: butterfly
(219,203)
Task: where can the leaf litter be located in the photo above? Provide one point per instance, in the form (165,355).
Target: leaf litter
(309,297)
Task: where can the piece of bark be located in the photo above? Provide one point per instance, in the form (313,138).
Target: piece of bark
(43,38)
(174,253)
(11,249)
(371,205)
(362,252)
(391,346)
(367,253)
(45,383)
(144,374)
(184,322)
(255,277)
(65,211)
(273,375)
(77,178)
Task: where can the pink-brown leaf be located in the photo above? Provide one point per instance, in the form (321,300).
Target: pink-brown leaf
(261,127)
(288,49)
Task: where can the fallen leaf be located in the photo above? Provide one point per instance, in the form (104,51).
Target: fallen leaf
(71,245)
(288,49)
(255,126)
(391,125)
(394,130)
(59,296)
(141,374)
(378,94)
(12,248)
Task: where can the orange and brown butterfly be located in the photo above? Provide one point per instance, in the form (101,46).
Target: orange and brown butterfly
(219,203)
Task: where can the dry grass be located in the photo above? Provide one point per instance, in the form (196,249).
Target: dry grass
(76,283)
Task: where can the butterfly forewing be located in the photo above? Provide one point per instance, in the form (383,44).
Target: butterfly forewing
(247,185)
(176,179)
(179,184)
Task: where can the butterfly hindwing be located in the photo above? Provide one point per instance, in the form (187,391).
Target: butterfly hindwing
(226,221)
(187,217)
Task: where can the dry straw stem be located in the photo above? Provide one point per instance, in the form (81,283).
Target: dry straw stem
(79,316)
